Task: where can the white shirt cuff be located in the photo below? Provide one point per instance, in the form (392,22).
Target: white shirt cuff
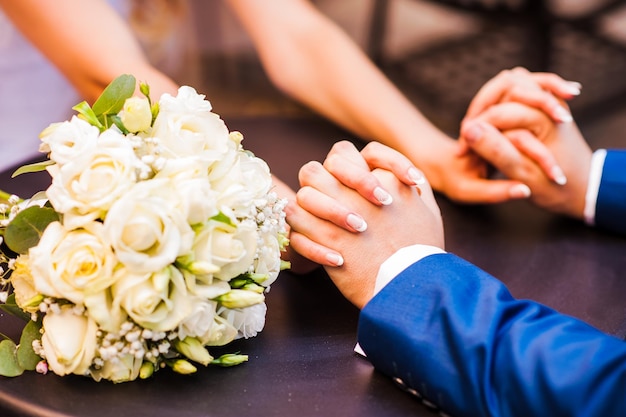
(401,260)
(395,264)
(593,186)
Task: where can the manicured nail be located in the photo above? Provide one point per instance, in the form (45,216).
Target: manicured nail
(416,176)
(563,114)
(335,259)
(558,175)
(573,88)
(474,133)
(519,191)
(383,196)
(356,222)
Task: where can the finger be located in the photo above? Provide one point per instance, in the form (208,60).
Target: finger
(317,196)
(345,150)
(306,234)
(490,191)
(325,207)
(540,99)
(536,150)
(381,156)
(540,90)
(358,177)
(314,251)
(557,85)
(492,92)
(517,117)
(490,144)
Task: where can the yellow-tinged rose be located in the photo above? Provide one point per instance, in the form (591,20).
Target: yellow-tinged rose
(69,341)
(72,263)
(136,114)
(26,296)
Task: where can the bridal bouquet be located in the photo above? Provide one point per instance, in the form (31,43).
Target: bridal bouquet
(157,239)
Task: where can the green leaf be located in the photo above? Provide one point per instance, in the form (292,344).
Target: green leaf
(10,306)
(118,122)
(9,365)
(36,167)
(86,113)
(26,356)
(222,218)
(26,228)
(113,97)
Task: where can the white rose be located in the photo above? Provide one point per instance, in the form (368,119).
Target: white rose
(232,191)
(69,341)
(248,321)
(186,126)
(118,369)
(136,115)
(84,189)
(222,332)
(268,261)
(256,175)
(70,263)
(231,248)
(156,301)
(199,322)
(196,198)
(146,229)
(65,141)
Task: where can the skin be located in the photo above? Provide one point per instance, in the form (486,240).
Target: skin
(351,91)
(389,227)
(509,132)
(350,95)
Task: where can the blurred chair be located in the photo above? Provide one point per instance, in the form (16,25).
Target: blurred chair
(530,33)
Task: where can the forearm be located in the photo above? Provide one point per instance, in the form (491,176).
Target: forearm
(455,333)
(311,59)
(88,41)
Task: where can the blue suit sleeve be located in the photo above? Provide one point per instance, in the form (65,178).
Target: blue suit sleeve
(611,202)
(455,336)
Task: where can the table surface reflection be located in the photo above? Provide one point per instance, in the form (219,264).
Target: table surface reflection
(303,363)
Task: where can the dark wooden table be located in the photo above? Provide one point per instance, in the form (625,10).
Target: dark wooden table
(302,364)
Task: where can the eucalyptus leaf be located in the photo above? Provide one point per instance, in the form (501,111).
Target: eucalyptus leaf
(36,167)
(26,228)
(113,97)
(26,356)
(9,365)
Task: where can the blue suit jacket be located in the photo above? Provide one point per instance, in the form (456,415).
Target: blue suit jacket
(611,204)
(453,335)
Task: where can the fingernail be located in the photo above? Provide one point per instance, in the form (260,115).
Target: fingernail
(474,133)
(416,176)
(335,259)
(558,175)
(520,191)
(356,222)
(563,114)
(383,196)
(573,88)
